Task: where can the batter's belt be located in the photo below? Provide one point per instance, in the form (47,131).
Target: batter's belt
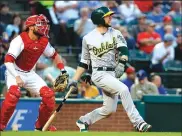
(105,69)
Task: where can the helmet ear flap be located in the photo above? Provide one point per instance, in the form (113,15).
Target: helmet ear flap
(97,18)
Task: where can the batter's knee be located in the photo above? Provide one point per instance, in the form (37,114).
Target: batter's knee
(124,89)
(48,97)
(108,111)
(13,94)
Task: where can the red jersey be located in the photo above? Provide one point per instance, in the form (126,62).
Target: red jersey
(146,35)
(26,51)
(144,6)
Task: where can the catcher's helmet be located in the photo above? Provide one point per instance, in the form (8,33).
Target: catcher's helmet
(41,22)
(98,15)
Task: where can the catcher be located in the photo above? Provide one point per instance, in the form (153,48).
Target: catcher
(23,53)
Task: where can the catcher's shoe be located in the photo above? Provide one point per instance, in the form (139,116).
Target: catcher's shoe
(83,126)
(143,127)
(38,129)
(2,127)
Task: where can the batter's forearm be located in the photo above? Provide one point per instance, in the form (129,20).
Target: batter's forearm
(123,53)
(79,72)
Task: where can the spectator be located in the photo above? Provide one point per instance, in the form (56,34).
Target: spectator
(144,6)
(162,53)
(15,26)
(3,87)
(176,13)
(90,4)
(167,20)
(4,45)
(53,16)
(67,13)
(178,49)
(83,25)
(87,91)
(130,79)
(2,54)
(156,79)
(42,63)
(2,29)
(37,8)
(5,16)
(166,5)
(140,27)
(67,10)
(156,14)
(169,30)
(149,38)
(129,11)
(131,43)
(143,87)
(114,7)
(55,26)
(52,72)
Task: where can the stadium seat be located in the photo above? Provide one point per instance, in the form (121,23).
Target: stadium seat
(139,59)
(171,90)
(171,79)
(173,66)
(138,55)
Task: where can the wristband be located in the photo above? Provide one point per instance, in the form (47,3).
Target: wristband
(123,61)
(60,66)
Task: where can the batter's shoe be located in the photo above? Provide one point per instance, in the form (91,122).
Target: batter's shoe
(143,127)
(82,126)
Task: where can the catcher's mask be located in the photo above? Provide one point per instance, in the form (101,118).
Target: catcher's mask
(41,22)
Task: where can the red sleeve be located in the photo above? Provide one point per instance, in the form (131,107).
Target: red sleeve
(157,35)
(140,36)
(54,55)
(9,58)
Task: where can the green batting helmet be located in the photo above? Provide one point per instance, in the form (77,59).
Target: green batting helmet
(98,15)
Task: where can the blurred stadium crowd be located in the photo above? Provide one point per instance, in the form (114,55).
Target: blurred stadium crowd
(151,28)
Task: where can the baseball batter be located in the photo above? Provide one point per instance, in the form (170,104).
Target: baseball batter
(107,51)
(23,53)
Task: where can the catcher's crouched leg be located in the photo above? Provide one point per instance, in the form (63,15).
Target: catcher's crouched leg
(8,105)
(46,107)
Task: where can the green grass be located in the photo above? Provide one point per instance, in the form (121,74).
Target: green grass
(61,133)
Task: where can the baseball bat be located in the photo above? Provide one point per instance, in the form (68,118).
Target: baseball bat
(57,110)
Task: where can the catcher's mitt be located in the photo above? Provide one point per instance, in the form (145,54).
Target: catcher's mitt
(61,82)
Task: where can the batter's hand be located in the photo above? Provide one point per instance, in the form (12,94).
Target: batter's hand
(72,83)
(19,81)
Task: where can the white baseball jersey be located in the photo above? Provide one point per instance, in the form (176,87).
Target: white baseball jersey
(101,48)
(26,53)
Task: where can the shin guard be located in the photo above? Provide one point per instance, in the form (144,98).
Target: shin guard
(46,107)
(8,105)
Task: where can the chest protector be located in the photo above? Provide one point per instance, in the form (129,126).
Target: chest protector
(31,52)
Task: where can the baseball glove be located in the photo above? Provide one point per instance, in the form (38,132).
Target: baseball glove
(61,82)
